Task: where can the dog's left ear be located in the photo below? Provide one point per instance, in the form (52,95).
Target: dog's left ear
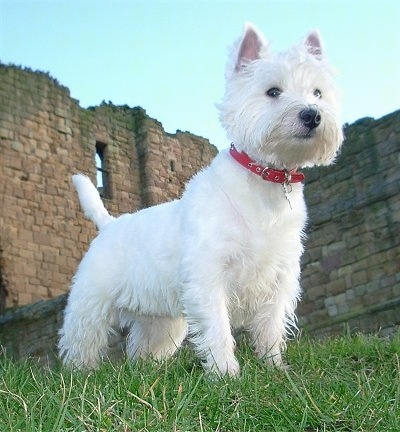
(313,44)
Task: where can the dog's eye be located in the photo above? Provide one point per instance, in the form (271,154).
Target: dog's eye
(273,92)
(318,93)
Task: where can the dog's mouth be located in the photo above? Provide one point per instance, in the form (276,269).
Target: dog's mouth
(306,134)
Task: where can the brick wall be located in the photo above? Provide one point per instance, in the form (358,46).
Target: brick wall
(351,267)
(45,137)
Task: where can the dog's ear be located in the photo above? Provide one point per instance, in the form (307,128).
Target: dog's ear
(313,44)
(252,46)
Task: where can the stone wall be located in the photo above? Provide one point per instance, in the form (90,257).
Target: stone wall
(45,137)
(32,330)
(351,267)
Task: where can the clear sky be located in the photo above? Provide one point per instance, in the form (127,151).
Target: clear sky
(169,56)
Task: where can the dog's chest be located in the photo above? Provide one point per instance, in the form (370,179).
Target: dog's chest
(266,246)
(255,266)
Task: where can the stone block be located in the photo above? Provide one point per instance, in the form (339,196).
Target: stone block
(336,286)
(360,277)
(333,311)
(340,299)
(329,301)
(17,146)
(343,308)
(331,262)
(6,133)
(315,292)
(388,281)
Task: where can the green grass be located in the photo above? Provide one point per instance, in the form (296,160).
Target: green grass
(345,384)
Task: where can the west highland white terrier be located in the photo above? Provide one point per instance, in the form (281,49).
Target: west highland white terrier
(227,254)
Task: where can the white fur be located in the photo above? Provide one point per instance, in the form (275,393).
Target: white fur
(226,255)
(91,203)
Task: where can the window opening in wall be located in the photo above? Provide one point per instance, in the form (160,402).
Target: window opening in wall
(172,165)
(102,176)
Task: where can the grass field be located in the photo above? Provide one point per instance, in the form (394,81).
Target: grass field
(344,384)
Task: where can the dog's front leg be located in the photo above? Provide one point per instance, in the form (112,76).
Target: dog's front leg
(268,334)
(209,329)
(273,320)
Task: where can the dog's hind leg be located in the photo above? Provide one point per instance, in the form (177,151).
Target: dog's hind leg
(156,337)
(84,335)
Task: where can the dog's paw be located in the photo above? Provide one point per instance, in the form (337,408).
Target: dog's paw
(229,368)
(276,362)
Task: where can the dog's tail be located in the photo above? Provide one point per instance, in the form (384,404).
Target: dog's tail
(90,200)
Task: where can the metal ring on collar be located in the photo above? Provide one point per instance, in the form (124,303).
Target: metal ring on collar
(265,172)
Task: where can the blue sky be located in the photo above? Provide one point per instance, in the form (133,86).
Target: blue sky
(169,56)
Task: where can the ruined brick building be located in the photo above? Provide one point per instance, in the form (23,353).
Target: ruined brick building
(351,267)
(46,137)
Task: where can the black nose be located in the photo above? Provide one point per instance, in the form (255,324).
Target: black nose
(310,117)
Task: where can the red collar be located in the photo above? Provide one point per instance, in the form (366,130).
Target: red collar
(266,173)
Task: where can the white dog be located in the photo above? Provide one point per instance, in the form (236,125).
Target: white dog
(226,254)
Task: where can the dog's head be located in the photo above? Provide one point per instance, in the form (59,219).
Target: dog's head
(281,108)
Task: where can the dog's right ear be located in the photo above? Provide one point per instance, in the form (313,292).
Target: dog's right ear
(251,47)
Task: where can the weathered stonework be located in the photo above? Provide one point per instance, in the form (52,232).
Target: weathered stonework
(351,267)
(46,137)
(32,330)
